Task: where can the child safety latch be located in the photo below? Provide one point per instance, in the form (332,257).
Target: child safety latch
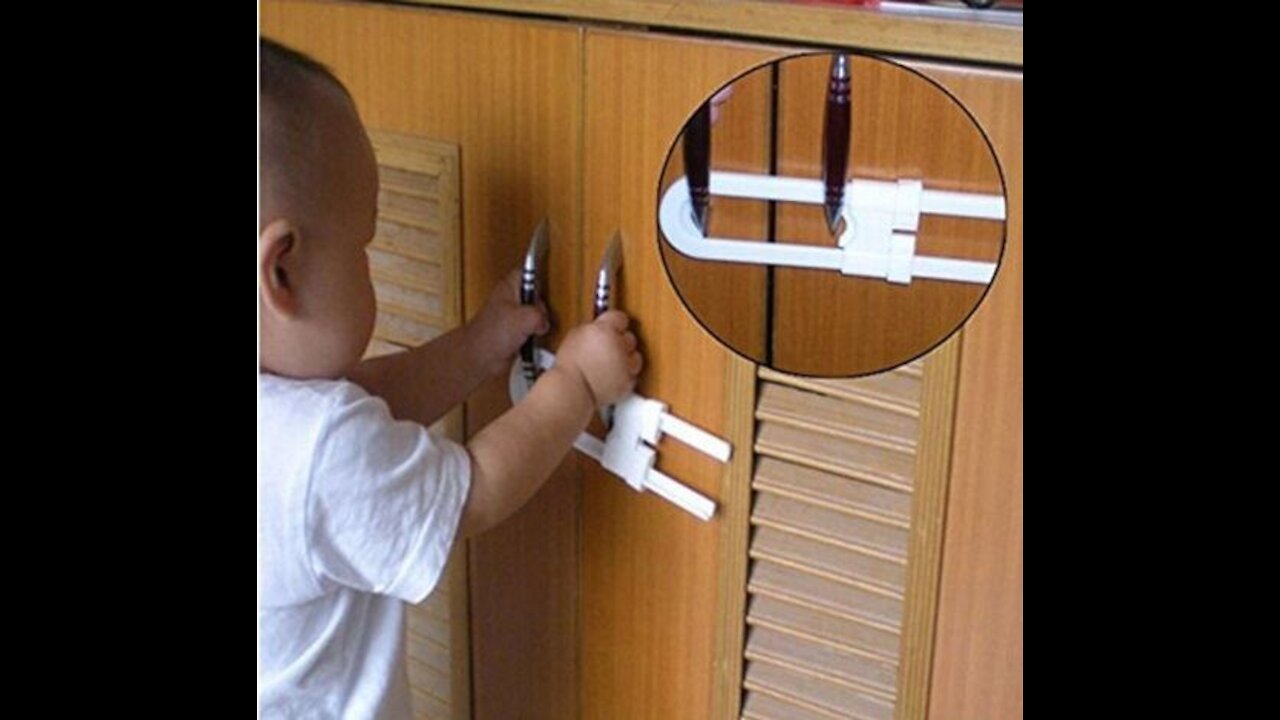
(629,450)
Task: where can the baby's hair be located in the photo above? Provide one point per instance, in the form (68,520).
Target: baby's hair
(283,70)
(288,97)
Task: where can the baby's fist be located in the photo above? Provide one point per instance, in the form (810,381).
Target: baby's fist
(604,354)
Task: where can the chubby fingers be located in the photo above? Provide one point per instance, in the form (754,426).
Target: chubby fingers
(615,320)
(635,363)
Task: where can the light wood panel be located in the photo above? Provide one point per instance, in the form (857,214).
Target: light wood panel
(729,299)
(649,570)
(734,513)
(509,94)
(928,510)
(903,126)
(815,23)
(978,663)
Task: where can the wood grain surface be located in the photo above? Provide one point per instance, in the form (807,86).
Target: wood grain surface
(978,661)
(810,23)
(903,126)
(729,299)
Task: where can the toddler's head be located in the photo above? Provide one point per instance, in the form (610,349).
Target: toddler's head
(318,205)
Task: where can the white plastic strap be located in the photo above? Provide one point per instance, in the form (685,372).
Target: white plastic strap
(696,504)
(629,451)
(880,221)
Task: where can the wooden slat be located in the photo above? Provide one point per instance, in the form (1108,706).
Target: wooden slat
(829,560)
(862,673)
(815,692)
(838,418)
(430,679)
(822,626)
(421,275)
(425,307)
(407,182)
(428,653)
(898,391)
(401,330)
(429,707)
(407,152)
(432,629)
(845,457)
(839,598)
(424,210)
(410,241)
(830,526)
(833,491)
(759,706)
(378,348)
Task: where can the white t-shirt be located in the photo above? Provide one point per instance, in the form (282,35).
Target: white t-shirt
(357,515)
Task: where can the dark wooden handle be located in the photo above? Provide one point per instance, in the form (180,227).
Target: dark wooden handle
(835,138)
(697,163)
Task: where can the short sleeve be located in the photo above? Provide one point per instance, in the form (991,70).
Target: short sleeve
(384,501)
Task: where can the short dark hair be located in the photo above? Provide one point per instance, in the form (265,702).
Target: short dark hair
(282,68)
(287,95)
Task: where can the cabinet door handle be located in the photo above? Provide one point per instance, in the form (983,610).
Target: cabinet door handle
(534,259)
(697,164)
(835,139)
(607,276)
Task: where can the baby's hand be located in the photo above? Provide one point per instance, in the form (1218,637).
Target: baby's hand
(603,353)
(504,324)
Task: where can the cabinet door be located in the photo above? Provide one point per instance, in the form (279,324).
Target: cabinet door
(977,667)
(508,94)
(651,584)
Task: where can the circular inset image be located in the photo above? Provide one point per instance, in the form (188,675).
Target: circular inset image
(831,215)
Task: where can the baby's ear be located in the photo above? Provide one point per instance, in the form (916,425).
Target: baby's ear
(278,267)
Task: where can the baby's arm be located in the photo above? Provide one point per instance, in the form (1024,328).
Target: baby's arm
(426,382)
(596,365)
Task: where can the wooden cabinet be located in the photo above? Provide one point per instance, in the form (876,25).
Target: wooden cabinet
(596,602)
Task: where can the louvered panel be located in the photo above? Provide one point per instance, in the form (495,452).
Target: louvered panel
(851,458)
(874,676)
(831,526)
(836,417)
(833,491)
(815,693)
(760,706)
(414,260)
(822,626)
(898,390)
(828,560)
(850,601)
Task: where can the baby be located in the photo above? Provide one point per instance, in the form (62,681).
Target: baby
(359,506)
